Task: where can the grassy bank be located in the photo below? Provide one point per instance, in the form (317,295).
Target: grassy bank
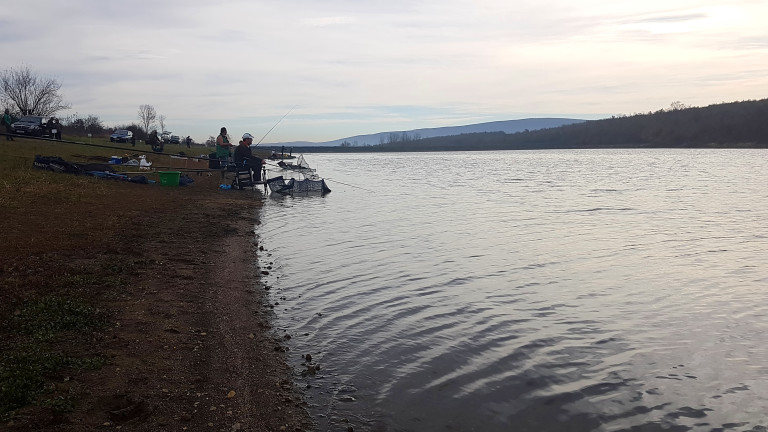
(78,252)
(60,261)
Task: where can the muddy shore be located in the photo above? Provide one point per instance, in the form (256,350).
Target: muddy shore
(185,341)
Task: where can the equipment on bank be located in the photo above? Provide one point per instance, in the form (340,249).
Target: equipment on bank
(289,178)
(293,186)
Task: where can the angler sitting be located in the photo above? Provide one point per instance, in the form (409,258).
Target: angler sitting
(245,159)
(155,142)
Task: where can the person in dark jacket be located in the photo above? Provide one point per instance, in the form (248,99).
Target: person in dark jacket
(54,128)
(155,142)
(49,125)
(245,158)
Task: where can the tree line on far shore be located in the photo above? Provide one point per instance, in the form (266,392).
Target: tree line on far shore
(726,125)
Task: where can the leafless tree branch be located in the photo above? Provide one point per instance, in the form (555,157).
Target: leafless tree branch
(30,92)
(147,117)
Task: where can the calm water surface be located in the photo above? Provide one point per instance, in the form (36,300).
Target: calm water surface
(586,290)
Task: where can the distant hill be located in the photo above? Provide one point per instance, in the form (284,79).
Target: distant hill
(726,125)
(507,126)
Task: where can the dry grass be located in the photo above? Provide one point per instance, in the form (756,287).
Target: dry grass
(43,212)
(71,244)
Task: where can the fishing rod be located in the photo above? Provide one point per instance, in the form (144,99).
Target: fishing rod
(132,150)
(127,150)
(278,122)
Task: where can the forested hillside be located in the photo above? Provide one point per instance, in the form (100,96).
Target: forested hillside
(737,124)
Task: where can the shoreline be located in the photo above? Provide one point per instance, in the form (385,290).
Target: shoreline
(187,344)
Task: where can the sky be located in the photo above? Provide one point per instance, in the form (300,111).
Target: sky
(323,70)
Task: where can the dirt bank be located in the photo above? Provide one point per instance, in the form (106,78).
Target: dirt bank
(184,339)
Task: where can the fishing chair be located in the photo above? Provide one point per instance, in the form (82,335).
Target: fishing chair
(243,178)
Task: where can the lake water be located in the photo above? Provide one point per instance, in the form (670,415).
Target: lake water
(578,290)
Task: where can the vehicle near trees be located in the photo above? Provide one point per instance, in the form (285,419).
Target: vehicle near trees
(121,135)
(30,125)
(175,139)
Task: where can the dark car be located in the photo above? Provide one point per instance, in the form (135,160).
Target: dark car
(121,135)
(175,139)
(30,125)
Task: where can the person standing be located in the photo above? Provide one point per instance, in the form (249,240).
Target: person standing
(57,129)
(223,145)
(49,125)
(189,142)
(54,128)
(7,120)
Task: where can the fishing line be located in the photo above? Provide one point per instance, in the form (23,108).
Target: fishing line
(328,179)
(278,122)
(347,184)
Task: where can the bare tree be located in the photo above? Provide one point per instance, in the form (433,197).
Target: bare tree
(147,116)
(677,106)
(89,124)
(161,122)
(30,92)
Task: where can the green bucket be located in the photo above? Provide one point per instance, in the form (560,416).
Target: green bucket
(169,178)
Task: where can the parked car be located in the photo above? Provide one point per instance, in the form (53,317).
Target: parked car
(175,139)
(165,136)
(30,125)
(121,135)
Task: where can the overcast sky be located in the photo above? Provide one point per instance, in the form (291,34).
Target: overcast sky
(347,67)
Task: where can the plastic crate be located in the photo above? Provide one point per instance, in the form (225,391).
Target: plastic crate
(169,178)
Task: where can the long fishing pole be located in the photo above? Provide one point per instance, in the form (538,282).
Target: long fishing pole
(278,122)
(128,150)
(133,150)
(51,140)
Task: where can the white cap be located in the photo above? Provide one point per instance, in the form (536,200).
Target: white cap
(247,136)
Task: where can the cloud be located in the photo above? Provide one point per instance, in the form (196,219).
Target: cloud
(385,65)
(328,21)
(670,18)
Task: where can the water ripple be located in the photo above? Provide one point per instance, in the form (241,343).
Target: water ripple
(587,291)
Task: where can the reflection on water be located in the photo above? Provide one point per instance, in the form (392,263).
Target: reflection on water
(528,291)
